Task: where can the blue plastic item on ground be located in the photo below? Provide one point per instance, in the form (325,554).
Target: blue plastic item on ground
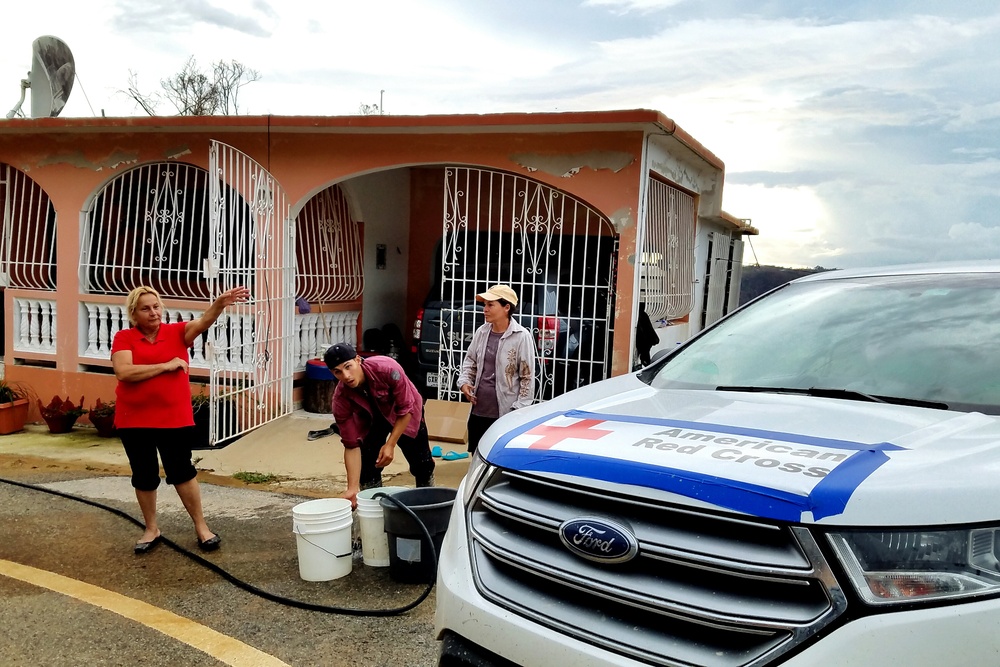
(317,370)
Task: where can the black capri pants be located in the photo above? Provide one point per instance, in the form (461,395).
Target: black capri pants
(173,444)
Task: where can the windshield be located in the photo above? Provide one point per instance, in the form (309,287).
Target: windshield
(925,338)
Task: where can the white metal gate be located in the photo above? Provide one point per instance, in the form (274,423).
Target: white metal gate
(555,251)
(250,351)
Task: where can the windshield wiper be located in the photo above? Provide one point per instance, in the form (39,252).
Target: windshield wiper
(811,391)
(847,394)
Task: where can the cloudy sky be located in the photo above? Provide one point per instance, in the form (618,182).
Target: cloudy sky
(854,132)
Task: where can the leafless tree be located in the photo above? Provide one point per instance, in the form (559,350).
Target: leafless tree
(148,102)
(196,93)
(191,91)
(229,78)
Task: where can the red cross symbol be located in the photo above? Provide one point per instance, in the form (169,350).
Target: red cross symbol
(553,435)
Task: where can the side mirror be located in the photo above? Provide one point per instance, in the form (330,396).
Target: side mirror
(659,355)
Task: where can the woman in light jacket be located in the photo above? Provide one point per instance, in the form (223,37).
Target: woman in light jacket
(498,373)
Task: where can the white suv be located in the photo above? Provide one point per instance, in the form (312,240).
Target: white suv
(811,481)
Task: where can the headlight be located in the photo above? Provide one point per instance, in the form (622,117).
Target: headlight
(911,566)
(477,468)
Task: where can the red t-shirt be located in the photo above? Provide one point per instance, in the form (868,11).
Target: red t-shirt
(163,401)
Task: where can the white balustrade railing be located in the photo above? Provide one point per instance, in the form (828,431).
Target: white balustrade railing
(318,331)
(104,320)
(34,325)
(314,331)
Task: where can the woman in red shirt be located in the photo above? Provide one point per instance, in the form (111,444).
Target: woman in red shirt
(153,405)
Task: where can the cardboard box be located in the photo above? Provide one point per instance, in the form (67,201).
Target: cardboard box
(447,421)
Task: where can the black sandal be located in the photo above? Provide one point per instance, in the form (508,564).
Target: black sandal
(323,432)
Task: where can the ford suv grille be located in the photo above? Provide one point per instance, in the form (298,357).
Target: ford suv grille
(703,589)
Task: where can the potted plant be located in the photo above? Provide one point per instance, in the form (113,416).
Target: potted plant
(60,415)
(102,416)
(13,408)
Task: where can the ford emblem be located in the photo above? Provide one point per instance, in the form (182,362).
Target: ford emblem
(599,540)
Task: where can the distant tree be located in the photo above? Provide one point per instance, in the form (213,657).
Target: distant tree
(759,279)
(196,93)
(147,103)
(369,110)
(229,78)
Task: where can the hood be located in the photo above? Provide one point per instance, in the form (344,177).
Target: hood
(776,456)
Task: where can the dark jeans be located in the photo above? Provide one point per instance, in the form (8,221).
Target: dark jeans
(477,427)
(417,451)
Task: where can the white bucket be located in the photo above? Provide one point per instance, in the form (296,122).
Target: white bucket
(323,535)
(374,541)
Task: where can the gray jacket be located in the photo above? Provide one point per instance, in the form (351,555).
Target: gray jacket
(515,364)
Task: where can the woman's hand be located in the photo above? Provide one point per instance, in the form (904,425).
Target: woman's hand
(468,393)
(176,364)
(234,295)
(195,328)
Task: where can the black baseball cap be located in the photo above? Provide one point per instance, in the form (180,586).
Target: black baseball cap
(338,354)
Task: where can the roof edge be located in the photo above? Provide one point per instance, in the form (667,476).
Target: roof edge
(374,122)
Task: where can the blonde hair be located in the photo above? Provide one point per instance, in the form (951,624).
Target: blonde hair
(132,300)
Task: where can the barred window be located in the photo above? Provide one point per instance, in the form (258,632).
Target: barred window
(150,226)
(28,240)
(666,273)
(328,249)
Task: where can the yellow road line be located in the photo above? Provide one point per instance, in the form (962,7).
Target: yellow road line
(221,647)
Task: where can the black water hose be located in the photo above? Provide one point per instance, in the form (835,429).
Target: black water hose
(250,588)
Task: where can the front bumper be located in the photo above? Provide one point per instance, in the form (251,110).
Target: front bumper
(960,634)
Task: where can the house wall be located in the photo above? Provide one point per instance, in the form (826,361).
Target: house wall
(697,175)
(426,206)
(382,202)
(399,206)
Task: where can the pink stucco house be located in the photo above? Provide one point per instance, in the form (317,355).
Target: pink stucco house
(364,218)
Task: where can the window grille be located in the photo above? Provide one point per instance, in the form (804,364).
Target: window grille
(555,251)
(328,250)
(28,240)
(150,226)
(666,272)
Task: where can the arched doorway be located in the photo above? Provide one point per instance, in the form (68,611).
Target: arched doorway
(556,252)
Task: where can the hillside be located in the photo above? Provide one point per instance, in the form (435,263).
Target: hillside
(760,279)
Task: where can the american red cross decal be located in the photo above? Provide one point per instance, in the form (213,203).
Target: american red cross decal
(553,435)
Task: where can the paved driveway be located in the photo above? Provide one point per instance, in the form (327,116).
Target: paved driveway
(75,594)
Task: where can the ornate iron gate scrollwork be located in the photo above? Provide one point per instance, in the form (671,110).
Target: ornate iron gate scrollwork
(251,347)
(555,251)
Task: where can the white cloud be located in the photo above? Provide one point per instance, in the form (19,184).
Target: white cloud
(791,221)
(641,6)
(974,235)
(865,135)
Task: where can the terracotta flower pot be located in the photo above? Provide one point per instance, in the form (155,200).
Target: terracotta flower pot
(13,415)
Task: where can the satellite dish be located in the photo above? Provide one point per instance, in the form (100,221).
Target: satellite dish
(50,79)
